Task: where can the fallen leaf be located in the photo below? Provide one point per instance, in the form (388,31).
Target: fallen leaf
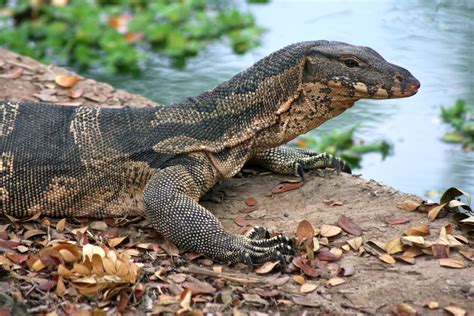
(250,201)
(240,221)
(408,205)
(66,81)
(185,301)
(32,233)
(60,225)
(440,251)
(456,263)
(433,213)
(327,256)
(75,93)
(397,220)
(467,253)
(406,259)
(348,225)
(15,74)
(304,302)
(98,225)
(254,299)
(394,246)
(114,242)
(406,310)
(455,310)
(308,287)
(417,241)
(335,281)
(266,267)
(329,230)
(304,233)
(199,287)
(16,257)
(421,230)
(385,257)
(432,305)
(286,186)
(299,279)
(310,271)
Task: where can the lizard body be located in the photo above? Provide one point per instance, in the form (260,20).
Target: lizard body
(102,162)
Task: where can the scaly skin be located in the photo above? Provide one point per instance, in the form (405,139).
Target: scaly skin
(92,162)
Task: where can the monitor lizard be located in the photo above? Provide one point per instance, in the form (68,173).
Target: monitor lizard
(67,161)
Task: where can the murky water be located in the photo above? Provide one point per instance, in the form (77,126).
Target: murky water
(433,39)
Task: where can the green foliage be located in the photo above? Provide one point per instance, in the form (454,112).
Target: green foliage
(461,118)
(340,142)
(117,34)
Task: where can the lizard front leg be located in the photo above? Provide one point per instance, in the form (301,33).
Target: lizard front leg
(287,160)
(171,204)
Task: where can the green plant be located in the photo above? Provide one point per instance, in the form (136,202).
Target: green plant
(461,117)
(119,34)
(340,142)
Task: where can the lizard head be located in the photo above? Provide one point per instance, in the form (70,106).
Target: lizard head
(356,72)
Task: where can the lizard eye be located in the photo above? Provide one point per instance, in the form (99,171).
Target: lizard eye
(351,63)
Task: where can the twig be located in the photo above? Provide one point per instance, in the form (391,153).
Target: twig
(15,63)
(360,309)
(238,279)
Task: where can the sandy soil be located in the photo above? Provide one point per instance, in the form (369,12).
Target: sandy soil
(375,288)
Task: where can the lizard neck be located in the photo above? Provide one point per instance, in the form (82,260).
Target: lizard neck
(312,105)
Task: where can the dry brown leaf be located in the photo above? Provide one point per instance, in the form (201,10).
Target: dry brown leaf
(67,255)
(60,225)
(33,232)
(200,287)
(406,309)
(406,259)
(394,246)
(299,279)
(286,186)
(308,287)
(75,93)
(250,201)
(114,242)
(266,267)
(455,310)
(385,257)
(456,263)
(98,225)
(420,230)
(467,253)
(60,287)
(416,241)
(304,233)
(64,272)
(440,251)
(433,213)
(240,221)
(316,244)
(397,220)
(16,257)
(432,305)
(348,225)
(335,281)
(15,74)
(38,265)
(329,230)
(217,269)
(327,256)
(408,205)
(66,81)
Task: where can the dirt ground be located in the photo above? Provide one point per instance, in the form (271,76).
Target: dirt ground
(375,287)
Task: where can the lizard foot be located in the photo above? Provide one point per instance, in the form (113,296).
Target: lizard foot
(257,247)
(312,160)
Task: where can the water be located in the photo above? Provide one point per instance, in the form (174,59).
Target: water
(433,39)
